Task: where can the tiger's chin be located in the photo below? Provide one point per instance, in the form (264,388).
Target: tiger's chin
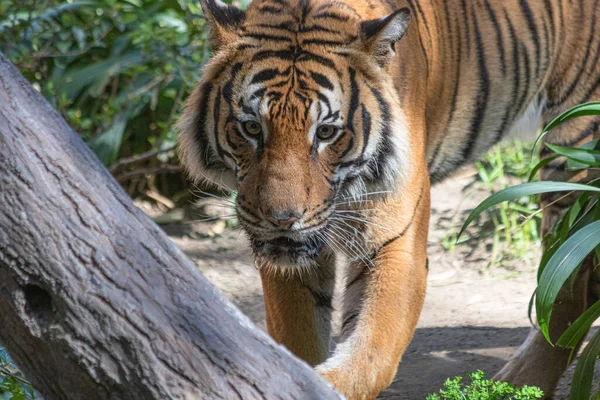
(289,253)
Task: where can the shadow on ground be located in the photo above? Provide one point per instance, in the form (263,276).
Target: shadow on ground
(438,353)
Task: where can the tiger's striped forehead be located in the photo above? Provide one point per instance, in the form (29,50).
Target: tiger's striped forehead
(294,59)
(308,21)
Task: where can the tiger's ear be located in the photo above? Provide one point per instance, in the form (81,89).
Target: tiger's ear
(380,35)
(224,21)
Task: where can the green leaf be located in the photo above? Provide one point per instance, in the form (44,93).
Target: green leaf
(560,267)
(574,333)
(581,110)
(541,165)
(581,386)
(522,190)
(108,144)
(574,165)
(95,74)
(584,156)
(530,308)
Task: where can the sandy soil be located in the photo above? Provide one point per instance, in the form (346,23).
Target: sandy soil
(474,316)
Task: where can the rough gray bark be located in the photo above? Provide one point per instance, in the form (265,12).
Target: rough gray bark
(95,301)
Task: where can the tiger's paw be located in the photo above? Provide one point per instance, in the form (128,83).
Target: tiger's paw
(342,383)
(355,382)
(536,363)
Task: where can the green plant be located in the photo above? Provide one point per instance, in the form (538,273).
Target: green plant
(513,226)
(484,389)
(12,384)
(574,237)
(506,163)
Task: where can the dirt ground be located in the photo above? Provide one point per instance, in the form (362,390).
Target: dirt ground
(475,316)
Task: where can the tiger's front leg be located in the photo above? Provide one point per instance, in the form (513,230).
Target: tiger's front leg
(383,301)
(298,308)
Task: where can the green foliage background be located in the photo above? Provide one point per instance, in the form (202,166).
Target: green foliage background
(117,70)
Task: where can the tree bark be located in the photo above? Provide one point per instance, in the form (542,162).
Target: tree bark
(95,301)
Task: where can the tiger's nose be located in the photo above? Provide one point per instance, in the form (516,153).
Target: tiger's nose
(283,219)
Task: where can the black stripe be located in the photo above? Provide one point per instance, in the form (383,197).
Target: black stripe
(516,65)
(265,75)
(300,96)
(366,128)
(323,42)
(550,12)
(591,90)
(264,36)
(321,80)
(353,100)
(330,15)
(248,110)
(385,147)
(287,55)
(410,222)
(316,28)
(499,40)
(201,134)
(305,6)
(523,99)
(528,14)
(270,9)
(422,20)
(308,56)
(325,100)
(346,151)
(228,88)
(288,26)
(350,318)
(482,94)
(465,14)
(216,119)
(244,46)
(356,163)
(544,61)
(259,93)
(332,115)
(336,4)
(230,142)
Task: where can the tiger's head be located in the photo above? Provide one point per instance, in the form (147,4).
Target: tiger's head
(296,110)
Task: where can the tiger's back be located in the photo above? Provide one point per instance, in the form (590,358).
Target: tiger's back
(499,66)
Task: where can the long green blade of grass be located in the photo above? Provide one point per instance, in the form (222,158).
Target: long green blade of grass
(581,110)
(577,330)
(522,190)
(541,165)
(560,267)
(583,156)
(581,386)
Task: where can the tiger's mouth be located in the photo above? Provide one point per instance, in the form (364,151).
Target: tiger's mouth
(288,251)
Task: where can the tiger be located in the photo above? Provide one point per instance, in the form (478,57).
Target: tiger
(331,119)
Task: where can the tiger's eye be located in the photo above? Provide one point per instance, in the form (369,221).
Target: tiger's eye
(252,128)
(326,132)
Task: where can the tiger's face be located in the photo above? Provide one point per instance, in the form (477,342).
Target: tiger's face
(295,110)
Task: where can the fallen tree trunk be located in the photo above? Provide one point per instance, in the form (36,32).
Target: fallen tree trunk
(95,301)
